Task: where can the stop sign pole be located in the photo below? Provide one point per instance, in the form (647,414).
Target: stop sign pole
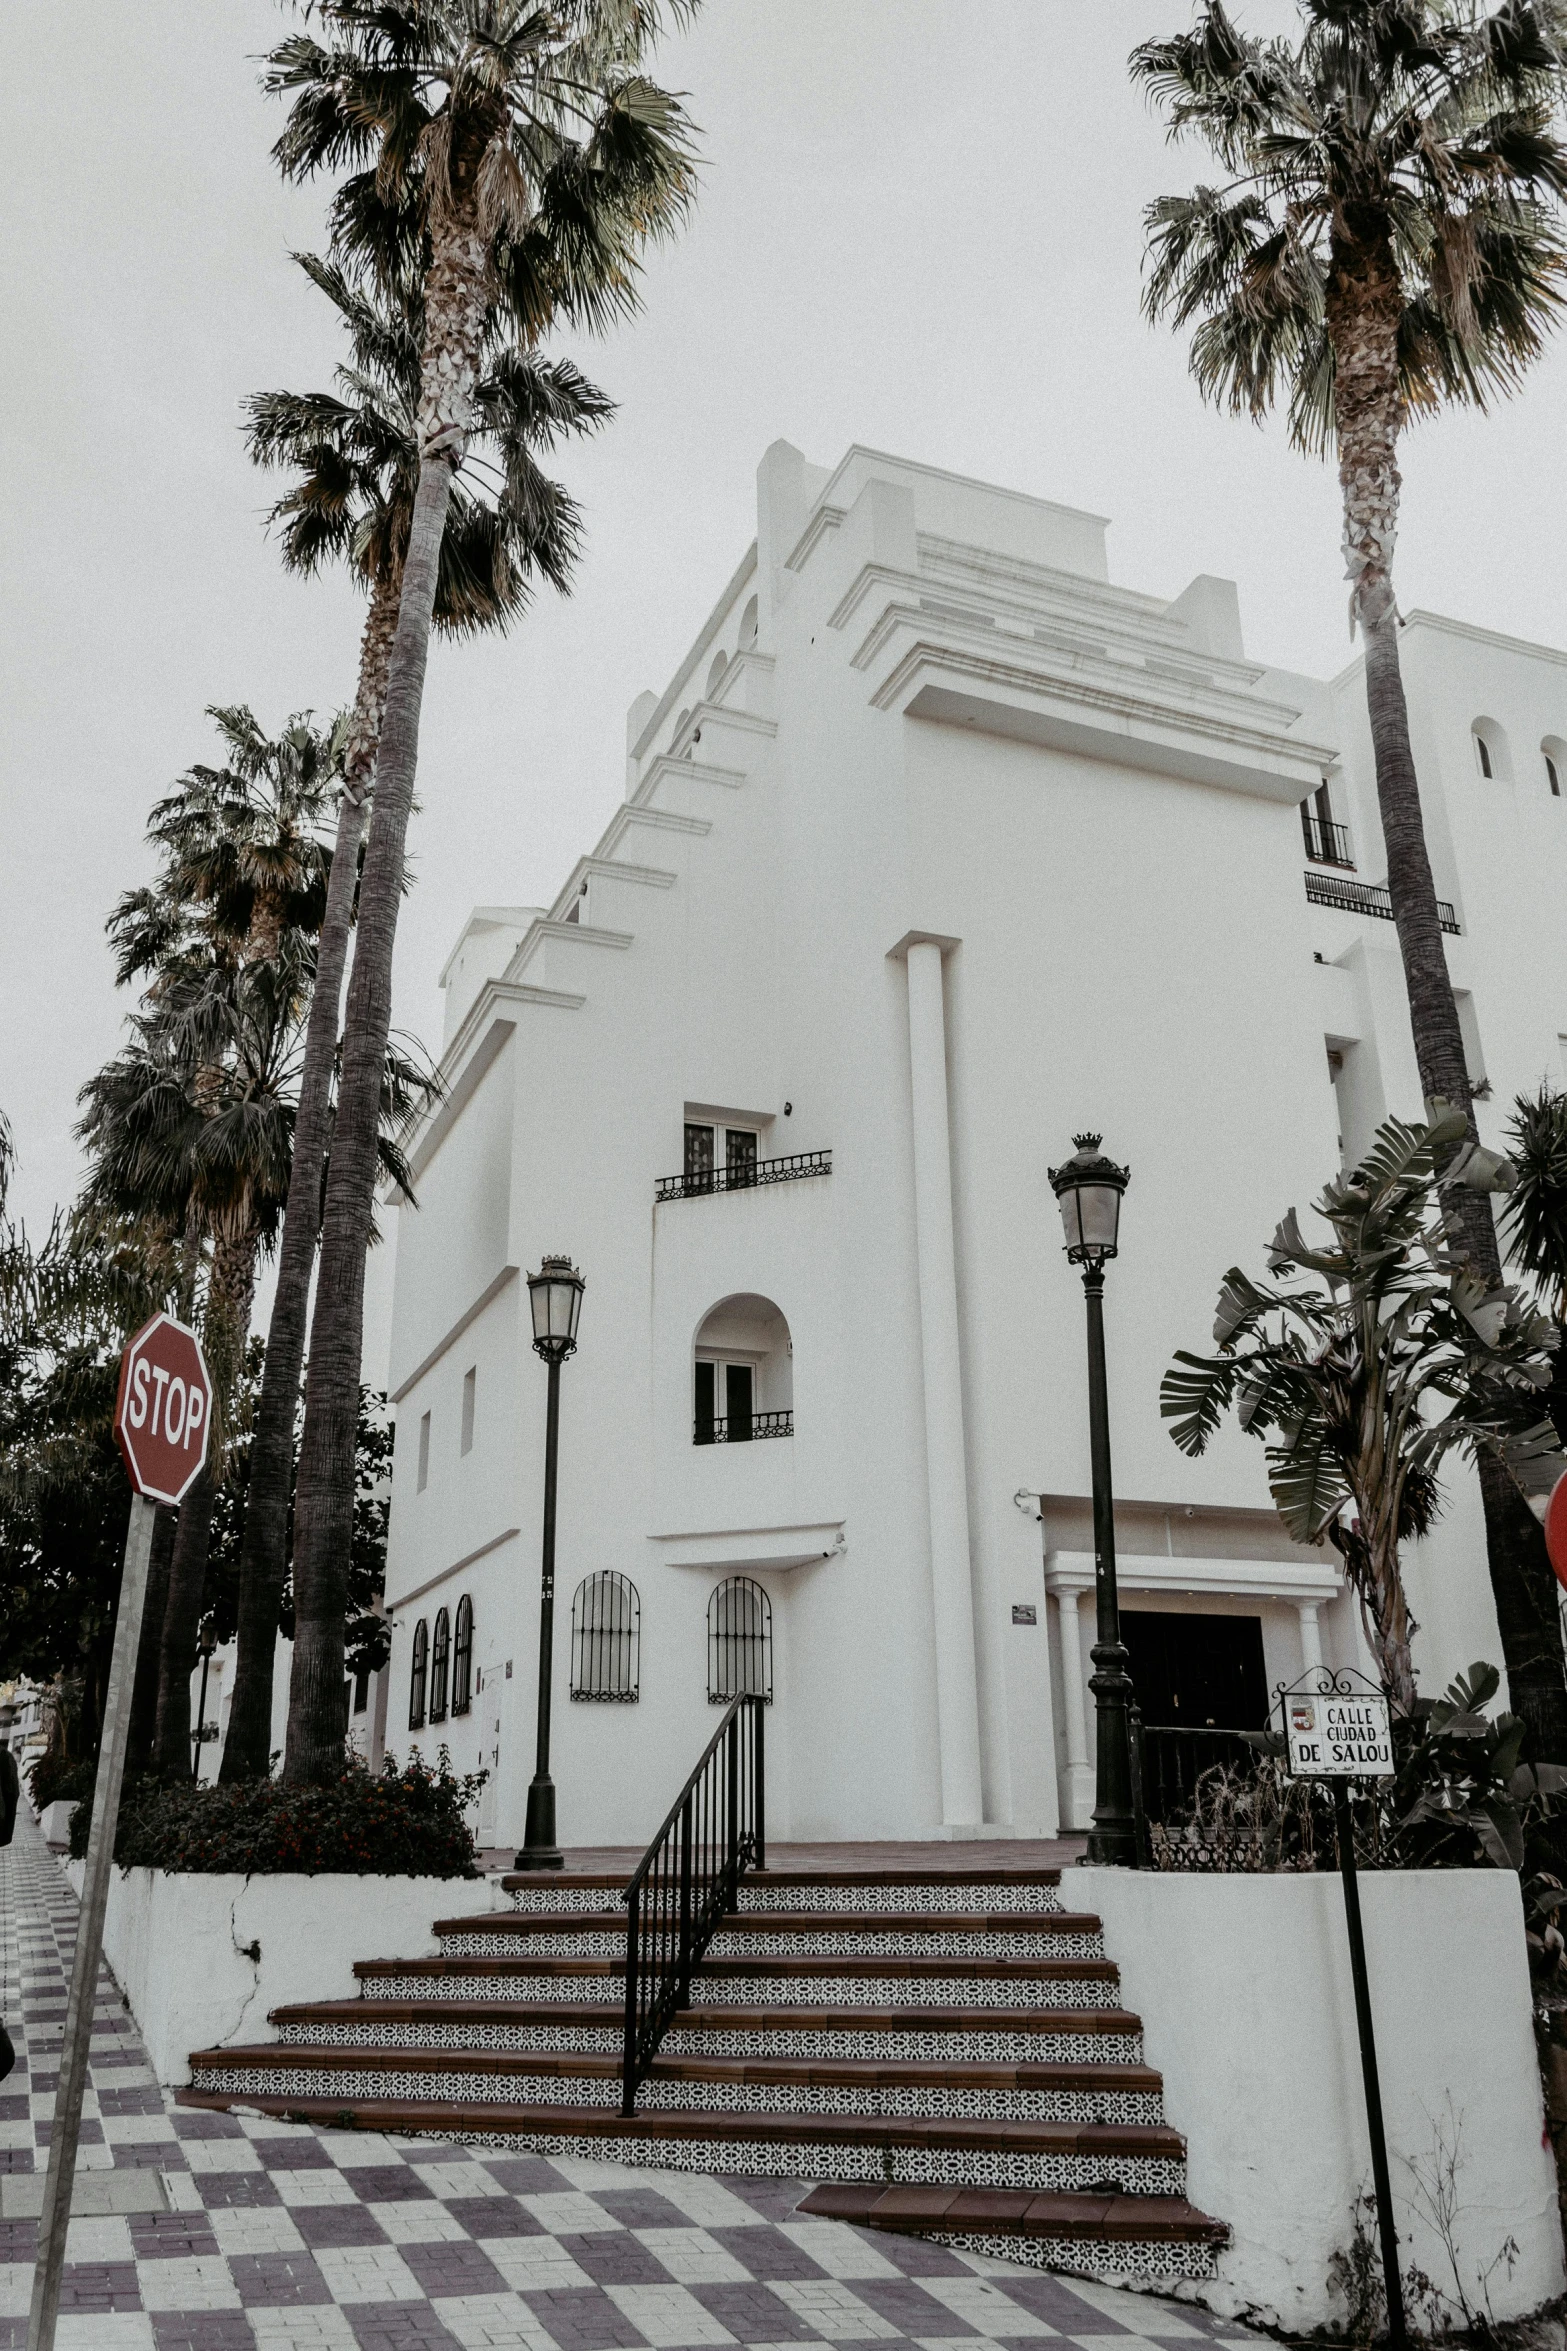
(162,1422)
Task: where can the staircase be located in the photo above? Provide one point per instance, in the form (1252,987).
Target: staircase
(941,2049)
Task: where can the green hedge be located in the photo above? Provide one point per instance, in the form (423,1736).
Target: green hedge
(406,1821)
(52,1780)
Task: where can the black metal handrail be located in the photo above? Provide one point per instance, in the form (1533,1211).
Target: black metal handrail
(1330,889)
(688,1880)
(1326,842)
(739,1428)
(1168,1760)
(745,1176)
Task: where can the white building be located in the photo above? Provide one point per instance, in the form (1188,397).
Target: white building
(937,848)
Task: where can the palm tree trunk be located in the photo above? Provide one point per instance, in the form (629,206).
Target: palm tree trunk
(455,297)
(144,1699)
(1363,307)
(227,1324)
(263,1560)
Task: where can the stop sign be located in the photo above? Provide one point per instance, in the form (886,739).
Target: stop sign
(163,1412)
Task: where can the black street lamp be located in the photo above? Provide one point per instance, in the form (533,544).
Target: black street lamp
(555,1295)
(1088,1189)
(206,1642)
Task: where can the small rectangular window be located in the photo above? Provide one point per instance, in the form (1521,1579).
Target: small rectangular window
(706,1401)
(424,1451)
(699,1158)
(739,1157)
(470,1380)
(361,1689)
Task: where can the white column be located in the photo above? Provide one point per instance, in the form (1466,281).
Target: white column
(1079,1772)
(1310,1635)
(946,1466)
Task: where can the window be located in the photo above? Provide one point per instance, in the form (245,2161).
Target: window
(606,1639)
(748,626)
(1553,752)
(699,1158)
(1484,749)
(739,1642)
(462,1658)
(440,1659)
(416,1676)
(361,1689)
(470,1381)
(1491,753)
(703,1144)
(1327,843)
(715,676)
(424,1451)
(1552,778)
(743,1374)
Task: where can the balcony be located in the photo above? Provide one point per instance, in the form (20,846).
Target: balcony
(742,1428)
(746,1176)
(1326,843)
(1325,889)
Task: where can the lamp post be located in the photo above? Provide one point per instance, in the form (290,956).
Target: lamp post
(555,1295)
(206,1642)
(1088,1189)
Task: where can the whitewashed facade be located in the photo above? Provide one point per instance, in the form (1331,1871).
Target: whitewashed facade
(938,848)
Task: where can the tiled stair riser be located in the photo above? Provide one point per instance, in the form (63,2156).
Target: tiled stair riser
(731,1943)
(892,2048)
(744,1991)
(896,1896)
(1112,2264)
(890,2103)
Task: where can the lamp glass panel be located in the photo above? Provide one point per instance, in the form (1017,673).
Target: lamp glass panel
(1099,1213)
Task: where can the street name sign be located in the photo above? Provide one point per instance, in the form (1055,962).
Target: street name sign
(1335,1736)
(163,1413)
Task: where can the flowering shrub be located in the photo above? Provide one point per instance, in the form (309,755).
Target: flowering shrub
(54,1778)
(407,1820)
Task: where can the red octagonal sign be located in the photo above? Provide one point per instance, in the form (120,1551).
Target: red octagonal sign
(163,1414)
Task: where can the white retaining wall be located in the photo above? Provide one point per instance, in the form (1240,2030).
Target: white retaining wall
(1243,1985)
(202,1959)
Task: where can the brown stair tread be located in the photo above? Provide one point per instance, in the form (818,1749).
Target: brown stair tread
(961,2131)
(1024,2212)
(838,1963)
(601,2065)
(791,1922)
(410,2009)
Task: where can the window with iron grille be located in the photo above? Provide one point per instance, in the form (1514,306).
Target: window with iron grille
(739,1642)
(462,1658)
(606,1639)
(440,1659)
(416,1675)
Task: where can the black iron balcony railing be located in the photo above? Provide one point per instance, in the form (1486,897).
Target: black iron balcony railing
(688,1881)
(745,1177)
(739,1428)
(1326,843)
(1330,889)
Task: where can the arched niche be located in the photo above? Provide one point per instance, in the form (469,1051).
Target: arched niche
(742,1380)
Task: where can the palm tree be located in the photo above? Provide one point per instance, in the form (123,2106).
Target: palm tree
(538,160)
(354,453)
(1364,1364)
(1386,241)
(1535,1220)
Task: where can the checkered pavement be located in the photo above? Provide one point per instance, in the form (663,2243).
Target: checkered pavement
(200,2231)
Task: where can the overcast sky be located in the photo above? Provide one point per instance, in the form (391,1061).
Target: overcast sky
(919,228)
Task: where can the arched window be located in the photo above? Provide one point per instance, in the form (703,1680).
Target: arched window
(1554,753)
(715,676)
(462,1658)
(606,1639)
(440,1658)
(743,1373)
(739,1642)
(416,1676)
(748,626)
(1491,753)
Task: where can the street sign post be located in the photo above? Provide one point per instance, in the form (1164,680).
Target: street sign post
(162,1422)
(1338,1727)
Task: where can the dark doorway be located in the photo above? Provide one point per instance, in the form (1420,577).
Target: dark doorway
(1197,1670)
